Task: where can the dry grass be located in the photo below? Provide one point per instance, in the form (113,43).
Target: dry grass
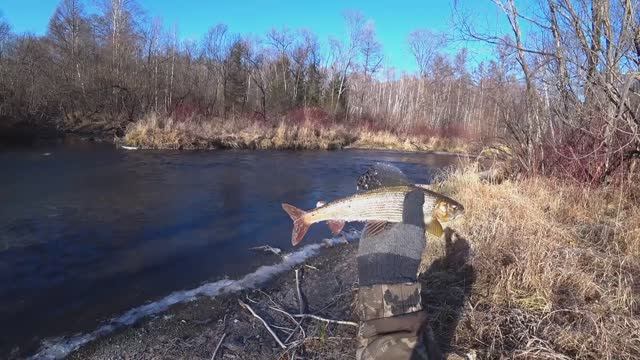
(553,272)
(388,140)
(153,132)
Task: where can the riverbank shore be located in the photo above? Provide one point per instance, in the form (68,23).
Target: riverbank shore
(153,132)
(161,133)
(192,330)
(536,267)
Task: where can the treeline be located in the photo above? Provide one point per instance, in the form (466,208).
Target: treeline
(112,67)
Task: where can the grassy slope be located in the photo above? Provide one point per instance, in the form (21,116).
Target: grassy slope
(553,270)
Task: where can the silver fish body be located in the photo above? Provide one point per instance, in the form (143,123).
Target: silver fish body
(384,204)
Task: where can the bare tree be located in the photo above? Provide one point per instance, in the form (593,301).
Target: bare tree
(424,45)
(5,33)
(69,36)
(370,50)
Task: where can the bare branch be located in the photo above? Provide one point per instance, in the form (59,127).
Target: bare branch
(266,325)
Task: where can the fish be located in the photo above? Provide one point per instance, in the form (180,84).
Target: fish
(378,203)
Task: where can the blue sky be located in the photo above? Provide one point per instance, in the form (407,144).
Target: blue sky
(393,20)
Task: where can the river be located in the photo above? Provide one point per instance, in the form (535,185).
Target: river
(88,231)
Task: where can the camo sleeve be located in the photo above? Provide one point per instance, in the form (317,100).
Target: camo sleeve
(393,325)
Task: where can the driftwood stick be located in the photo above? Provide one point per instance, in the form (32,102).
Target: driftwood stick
(301,304)
(341,322)
(215,352)
(266,325)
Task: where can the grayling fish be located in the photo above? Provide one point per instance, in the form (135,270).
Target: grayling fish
(377,207)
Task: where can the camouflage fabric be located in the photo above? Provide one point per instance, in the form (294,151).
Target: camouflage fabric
(393,325)
(386,300)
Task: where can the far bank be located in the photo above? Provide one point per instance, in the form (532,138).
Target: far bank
(154,132)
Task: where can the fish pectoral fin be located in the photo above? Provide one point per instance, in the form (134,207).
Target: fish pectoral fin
(434,228)
(373,228)
(335,226)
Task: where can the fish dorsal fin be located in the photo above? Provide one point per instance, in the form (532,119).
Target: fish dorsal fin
(373,228)
(381,175)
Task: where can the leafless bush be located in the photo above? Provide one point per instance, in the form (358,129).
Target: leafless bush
(579,60)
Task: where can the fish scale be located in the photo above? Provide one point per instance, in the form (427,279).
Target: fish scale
(371,205)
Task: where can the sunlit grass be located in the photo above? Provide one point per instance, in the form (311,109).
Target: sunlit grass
(556,265)
(154,132)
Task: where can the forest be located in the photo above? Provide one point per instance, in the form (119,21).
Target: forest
(106,70)
(561,89)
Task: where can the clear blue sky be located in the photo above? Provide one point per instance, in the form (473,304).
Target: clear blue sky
(393,20)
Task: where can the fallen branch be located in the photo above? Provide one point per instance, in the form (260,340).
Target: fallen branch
(341,322)
(266,325)
(215,352)
(299,291)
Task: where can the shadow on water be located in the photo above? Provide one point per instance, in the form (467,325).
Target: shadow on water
(446,286)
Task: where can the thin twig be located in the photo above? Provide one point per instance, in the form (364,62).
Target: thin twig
(339,338)
(301,304)
(215,352)
(266,325)
(284,328)
(292,319)
(311,267)
(278,308)
(250,299)
(341,322)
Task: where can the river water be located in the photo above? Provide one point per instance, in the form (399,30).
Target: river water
(88,231)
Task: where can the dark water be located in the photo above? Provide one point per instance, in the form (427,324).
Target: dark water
(88,231)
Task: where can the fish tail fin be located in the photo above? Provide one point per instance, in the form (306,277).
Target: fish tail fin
(335,226)
(300,226)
